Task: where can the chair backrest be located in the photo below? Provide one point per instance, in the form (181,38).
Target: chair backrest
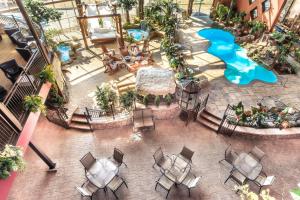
(83,191)
(194,182)
(118,155)
(25,53)
(187,153)
(230,155)
(147,113)
(158,155)
(257,153)
(269,180)
(138,114)
(88,160)
(87,189)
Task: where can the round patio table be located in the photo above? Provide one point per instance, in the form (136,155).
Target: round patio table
(102,172)
(248,166)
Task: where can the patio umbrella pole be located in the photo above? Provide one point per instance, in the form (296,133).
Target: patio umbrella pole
(44,157)
(32,30)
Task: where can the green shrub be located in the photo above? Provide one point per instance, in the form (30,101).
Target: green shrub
(47,74)
(54,99)
(34,103)
(157,100)
(11,159)
(105,97)
(127,99)
(146,100)
(168,99)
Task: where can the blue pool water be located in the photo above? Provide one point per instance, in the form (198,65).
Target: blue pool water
(138,34)
(64,52)
(240,69)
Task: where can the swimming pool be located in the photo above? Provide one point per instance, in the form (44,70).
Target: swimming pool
(138,34)
(240,69)
(64,50)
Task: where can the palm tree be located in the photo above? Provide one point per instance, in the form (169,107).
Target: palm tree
(232,5)
(127,5)
(140,13)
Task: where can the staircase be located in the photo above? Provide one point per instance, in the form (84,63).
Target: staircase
(78,121)
(209,120)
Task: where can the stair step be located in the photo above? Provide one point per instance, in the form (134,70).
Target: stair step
(79,119)
(211,114)
(79,126)
(126,88)
(207,124)
(210,118)
(124,84)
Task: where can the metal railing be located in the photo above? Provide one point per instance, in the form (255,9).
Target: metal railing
(27,84)
(8,133)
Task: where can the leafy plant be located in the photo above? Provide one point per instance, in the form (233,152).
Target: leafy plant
(40,13)
(127,5)
(100,22)
(257,27)
(146,100)
(127,99)
(54,99)
(34,103)
(11,159)
(50,34)
(168,99)
(157,100)
(222,11)
(130,39)
(47,74)
(106,97)
(246,194)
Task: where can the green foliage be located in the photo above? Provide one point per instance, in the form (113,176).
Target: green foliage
(100,22)
(11,159)
(168,99)
(50,34)
(239,109)
(47,74)
(257,27)
(127,4)
(54,99)
(130,39)
(39,12)
(127,99)
(157,100)
(221,12)
(146,100)
(247,194)
(297,54)
(34,103)
(106,97)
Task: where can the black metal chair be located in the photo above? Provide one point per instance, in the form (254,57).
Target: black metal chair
(257,153)
(115,184)
(186,154)
(237,177)
(12,69)
(24,52)
(87,189)
(88,161)
(3,93)
(19,40)
(165,183)
(118,157)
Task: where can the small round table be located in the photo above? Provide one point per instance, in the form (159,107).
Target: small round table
(102,172)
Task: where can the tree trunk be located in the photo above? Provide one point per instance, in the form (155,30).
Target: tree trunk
(141,9)
(190,8)
(127,17)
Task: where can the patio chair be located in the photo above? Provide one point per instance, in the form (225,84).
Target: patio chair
(230,156)
(148,118)
(88,160)
(257,153)
(20,40)
(115,184)
(87,189)
(237,177)
(161,160)
(117,157)
(165,183)
(186,154)
(24,52)
(190,182)
(264,180)
(11,69)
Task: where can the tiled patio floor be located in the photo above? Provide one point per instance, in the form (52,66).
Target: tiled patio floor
(66,147)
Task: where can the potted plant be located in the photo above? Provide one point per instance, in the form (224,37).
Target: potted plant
(47,75)
(34,103)
(168,99)
(54,99)
(127,99)
(106,97)
(11,159)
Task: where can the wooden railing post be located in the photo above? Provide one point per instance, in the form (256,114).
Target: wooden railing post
(44,157)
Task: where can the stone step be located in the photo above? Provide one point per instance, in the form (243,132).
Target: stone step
(207,124)
(126,88)
(80,126)
(210,119)
(81,119)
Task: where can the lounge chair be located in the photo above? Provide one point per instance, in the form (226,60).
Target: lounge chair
(25,53)
(264,180)
(117,157)
(3,93)
(9,30)
(165,183)
(257,153)
(162,161)
(11,69)
(190,181)
(229,157)
(115,184)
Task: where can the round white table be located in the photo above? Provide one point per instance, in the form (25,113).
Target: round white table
(102,172)
(248,166)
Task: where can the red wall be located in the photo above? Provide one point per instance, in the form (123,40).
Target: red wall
(269,16)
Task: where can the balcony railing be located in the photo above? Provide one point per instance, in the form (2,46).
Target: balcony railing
(28,83)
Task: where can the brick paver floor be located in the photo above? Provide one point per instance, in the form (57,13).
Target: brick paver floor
(66,147)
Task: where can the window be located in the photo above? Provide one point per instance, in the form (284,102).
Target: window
(266,5)
(251,1)
(253,13)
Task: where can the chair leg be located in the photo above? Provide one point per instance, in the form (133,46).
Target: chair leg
(156,185)
(167,194)
(227,179)
(189,192)
(125,165)
(125,184)
(115,195)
